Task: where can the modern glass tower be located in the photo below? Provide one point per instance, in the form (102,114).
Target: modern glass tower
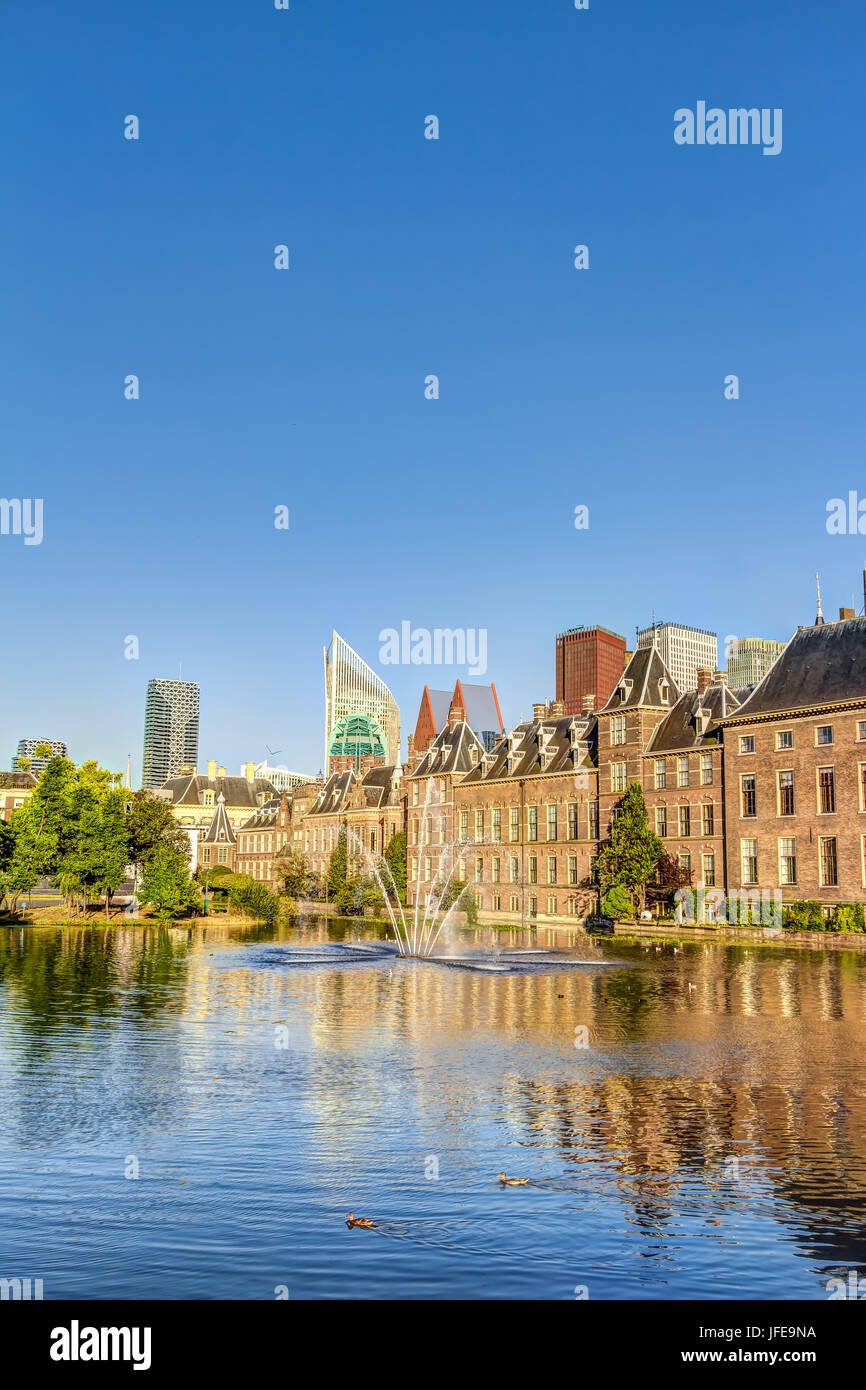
(170,730)
(351,687)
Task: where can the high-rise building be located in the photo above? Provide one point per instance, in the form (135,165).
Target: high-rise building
(279,777)
(683,650)
(170,730)
(352,688)
(750,658)
(27,749)
(589,662)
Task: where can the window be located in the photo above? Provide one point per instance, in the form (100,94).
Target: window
(660,774)
(533,869)
(706,769)
(786,793)
(573,832)
(785,738)
(861,731)
(205,856)
(551,822)
(373,840)
(495,872)
(415,790)
(661,821)
(707,820)
(532,822)
(685,863)
(829,864)
(443,784)
(685,822)
(514,824)
(496,825)
(749,849)
(571,907)
(495,902)
(787,861)
(515,870)
(551,870)
(222,856)
(443,829)
(533,907)
(413,827)
(479,869)
(709,864)
(748,795)
(593,820)
(427,870)
(824,734)
(479,826)
(747,743)
(863,786)
(617,729)
(617,777)
(826,791)
(572,868)
(464,825)
(682,772)
(551,906)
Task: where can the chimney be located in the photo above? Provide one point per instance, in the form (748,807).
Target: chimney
(720,678)
(250,771)
(221,772)
(455,717)
(539,711)
(704,678)
(211,768)
(588,704)
(557,709)
(845,614)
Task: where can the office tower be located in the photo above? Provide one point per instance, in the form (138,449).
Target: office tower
(27,749)
(589,662)
(352,688)
(683,650)
(170,730)
(750,658)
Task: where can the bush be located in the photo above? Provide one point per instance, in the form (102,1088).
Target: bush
(804,915)
(253,899)
(617,902)
(847,918)
(469,903)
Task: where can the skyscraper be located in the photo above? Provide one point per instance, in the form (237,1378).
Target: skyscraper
(589,662)
(27,749)
(351,687)
(170,730)
(683,650)
(750,658)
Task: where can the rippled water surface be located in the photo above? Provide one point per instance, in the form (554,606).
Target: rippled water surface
(708,1141)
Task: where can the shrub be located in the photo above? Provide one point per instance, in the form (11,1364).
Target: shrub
(804,915)
(617,902)
(848,917)
(254,899)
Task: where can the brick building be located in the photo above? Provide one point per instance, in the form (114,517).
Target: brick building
(262,837)
(589,662)
(217,848)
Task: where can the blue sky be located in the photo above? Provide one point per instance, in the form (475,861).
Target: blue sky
(408,257)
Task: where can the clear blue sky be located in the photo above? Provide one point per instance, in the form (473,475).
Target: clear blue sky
(409,257)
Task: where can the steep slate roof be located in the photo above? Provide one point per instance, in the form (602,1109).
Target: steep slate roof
(332,797)
(237,791)
(220,831)
(17,780)
(450,751)
(264,817)
(535,749)
(376,785)
(645,671)
(824,665)
(679,729)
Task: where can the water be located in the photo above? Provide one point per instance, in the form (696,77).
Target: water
(707,1143)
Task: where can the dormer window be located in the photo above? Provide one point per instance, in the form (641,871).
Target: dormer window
(208,798)
(625,687)
(664,692)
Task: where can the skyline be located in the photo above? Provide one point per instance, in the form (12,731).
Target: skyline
(305,389)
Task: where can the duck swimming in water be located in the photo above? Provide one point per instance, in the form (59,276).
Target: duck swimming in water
(353,1220)
(512,1182)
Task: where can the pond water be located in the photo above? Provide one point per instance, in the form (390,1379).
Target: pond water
(188,1113)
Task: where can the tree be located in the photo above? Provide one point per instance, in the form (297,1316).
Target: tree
(617,902)
(150,824)
(254,898)
(292,874)
(337,863)
(629,857)
(395,858)
(103,845)
(166,884)
(38,831)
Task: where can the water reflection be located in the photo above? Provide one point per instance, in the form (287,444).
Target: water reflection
(708,1142)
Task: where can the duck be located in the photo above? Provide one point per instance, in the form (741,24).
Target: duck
(512,1182)
(364,1221)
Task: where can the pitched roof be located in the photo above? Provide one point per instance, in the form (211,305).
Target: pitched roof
(455,749)
(641,684)
(265,816)
(821,665)
(332,797)
(17,780)
(680,728)
(220,830)
(545,746)
(237,791)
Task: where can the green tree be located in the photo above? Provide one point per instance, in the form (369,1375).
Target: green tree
(395,858)
(617,902)
(149,824)
(292,874)
(253,898)
(166,884)
(337,864)
(629,858)
(38,831)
